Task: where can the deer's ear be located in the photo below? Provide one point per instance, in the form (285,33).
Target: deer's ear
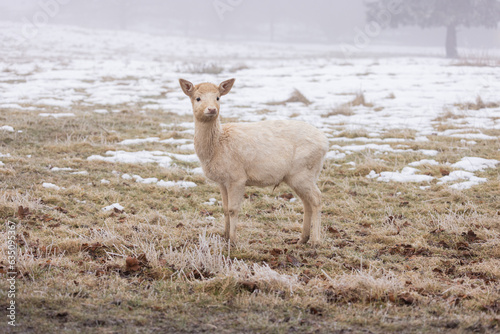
(187,87)
(226,86)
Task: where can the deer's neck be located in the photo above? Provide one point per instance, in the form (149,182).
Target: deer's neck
(206,139)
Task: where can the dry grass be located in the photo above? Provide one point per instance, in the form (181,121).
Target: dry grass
(346,108)
(477,60)
(295,97)
(394,258)
(479,104)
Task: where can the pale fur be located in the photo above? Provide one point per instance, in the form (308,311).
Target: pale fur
(261,154)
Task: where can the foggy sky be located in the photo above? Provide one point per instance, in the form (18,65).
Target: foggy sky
(314,21)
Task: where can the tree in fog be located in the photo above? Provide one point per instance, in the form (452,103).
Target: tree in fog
(437,13)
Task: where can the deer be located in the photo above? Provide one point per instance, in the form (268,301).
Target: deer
(262,154)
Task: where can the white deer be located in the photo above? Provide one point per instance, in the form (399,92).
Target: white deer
(261,154)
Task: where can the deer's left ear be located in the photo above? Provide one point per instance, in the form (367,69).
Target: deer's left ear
(226,86)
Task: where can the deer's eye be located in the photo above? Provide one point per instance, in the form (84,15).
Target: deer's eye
(198,99)
(218,98)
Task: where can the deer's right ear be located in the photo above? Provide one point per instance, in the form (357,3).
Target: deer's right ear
(187,87)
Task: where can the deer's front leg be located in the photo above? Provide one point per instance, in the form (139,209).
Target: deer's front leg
(223,191)
(235,197)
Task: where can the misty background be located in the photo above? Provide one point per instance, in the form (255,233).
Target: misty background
(280,21)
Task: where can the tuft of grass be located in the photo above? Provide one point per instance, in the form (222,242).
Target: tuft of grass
(344,110)
(479,104)
(204,68)
(295,97)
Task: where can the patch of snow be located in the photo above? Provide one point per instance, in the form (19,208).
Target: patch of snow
(150,180)
(185,157)
(173,141)
(478,136)
(1,164)
(126,177)
(424,162)
(293,200)
(61,169)
(335,155)
(83,172)
(431,153)
(473,164)
(139,141)
(116,206)
(186,147)
(104,181)
(406,175)
(197,170)
(100,111)
(50,186)
(140,157)
(180,184)
(56,115)
(7,128)
(211,201)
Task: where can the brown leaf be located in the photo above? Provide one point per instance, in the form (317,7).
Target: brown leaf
(132,264)
(291,241)
(444,172)
(22,212)
(406,298)
(293,261)
(175,209)
(470,236)
(61,209)
(287,196)
(333,231)
(316,311)
(276,252)
(204,212)
(180,225)
(462,246)
(54,225)
(249,286)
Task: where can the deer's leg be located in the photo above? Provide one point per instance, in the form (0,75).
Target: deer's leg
(235,197)
(310,195)
(223,191)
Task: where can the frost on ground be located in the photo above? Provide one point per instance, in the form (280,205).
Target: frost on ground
(112,206)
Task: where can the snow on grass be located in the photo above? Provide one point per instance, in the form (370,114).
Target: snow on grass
(140,157)
(113,206)
(7,128)
(406,175)
(50,186)
(83,172)
(472,180)
(180,184)
(1,164)
(139,141)
(150,180)
(61,169)
(104,181)
(473,164)
(423,162)
(211,201)
(478,136)
(335,155)
(56,115)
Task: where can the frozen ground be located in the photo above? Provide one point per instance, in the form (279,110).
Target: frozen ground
(64,69)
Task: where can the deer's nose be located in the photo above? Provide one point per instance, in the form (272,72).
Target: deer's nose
(212,111)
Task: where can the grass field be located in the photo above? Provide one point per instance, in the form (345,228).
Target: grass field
(403,257)
(394,257)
